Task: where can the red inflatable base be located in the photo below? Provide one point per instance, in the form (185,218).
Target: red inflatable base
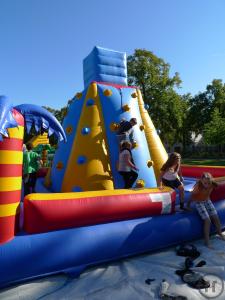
(45,212)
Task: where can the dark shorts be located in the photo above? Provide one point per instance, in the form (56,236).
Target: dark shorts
(174,184)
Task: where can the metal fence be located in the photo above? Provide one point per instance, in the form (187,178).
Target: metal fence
(204,151)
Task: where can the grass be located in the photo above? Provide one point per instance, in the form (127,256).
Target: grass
(205,162)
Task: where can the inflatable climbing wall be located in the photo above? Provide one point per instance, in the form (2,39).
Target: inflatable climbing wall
(88,160)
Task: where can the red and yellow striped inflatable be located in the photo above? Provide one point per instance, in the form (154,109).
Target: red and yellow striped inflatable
(11,159)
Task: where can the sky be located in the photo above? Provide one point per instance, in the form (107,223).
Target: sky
(43,42)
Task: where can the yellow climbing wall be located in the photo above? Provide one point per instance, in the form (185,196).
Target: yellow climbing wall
(88,168)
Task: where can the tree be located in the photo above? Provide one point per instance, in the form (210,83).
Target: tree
(214,131)
(216,93)
(58,113)
(200,112)
(166,107)
(204,104)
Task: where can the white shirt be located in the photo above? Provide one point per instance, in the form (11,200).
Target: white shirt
(170,174)
(123,166)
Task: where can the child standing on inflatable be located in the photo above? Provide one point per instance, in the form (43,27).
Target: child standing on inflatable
(171,176)
(201,196)
(31,161)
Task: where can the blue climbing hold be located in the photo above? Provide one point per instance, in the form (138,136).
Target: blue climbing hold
(77,189)
(85,130)
(90,102)
(81,160)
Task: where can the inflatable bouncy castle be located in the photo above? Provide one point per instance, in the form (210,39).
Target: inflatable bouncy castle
(81,215)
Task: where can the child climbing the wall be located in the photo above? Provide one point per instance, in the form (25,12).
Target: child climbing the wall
(201,197)
(126,166)
(126,131)
(171,176)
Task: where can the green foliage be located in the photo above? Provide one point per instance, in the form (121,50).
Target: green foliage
(214,131)
(204,104)
(150,73)
(205,162)
(199,112)
(59,114)
(175,116)
(166,107)
(216,92)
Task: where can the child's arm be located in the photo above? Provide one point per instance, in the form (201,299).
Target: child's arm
(217,182)
(191,198)
(180,175)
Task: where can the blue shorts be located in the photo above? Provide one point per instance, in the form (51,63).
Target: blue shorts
(205,209)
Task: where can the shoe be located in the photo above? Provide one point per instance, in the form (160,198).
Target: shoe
(195,280)
(201,263)
(169,296)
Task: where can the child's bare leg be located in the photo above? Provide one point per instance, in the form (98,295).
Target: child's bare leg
(216,221)
(206,231)
(181,195)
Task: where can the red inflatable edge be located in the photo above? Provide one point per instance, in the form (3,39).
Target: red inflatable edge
(41,215)
(196,171)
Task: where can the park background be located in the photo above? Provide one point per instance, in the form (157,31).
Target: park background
(176,55)
(175,51)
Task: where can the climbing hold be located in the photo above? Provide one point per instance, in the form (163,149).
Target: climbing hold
(69,129)
(81,159)
(150,163)
(107,92)
(134,144)
(59,165)
(78,95)
(90,102)
(85,130)
(65,113)
(140,183)
(126,107)
(142,127)
(134,95)
(77,189)
(114,126)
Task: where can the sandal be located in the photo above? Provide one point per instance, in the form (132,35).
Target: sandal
(149,280)
(172,297)
(189,263)
(187,250)
(201,263)
(195,280)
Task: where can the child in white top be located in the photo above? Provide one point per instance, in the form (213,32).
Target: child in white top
(171,176)
(126,165)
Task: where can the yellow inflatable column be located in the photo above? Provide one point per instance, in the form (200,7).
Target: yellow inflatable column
(156,148)
(88,167)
